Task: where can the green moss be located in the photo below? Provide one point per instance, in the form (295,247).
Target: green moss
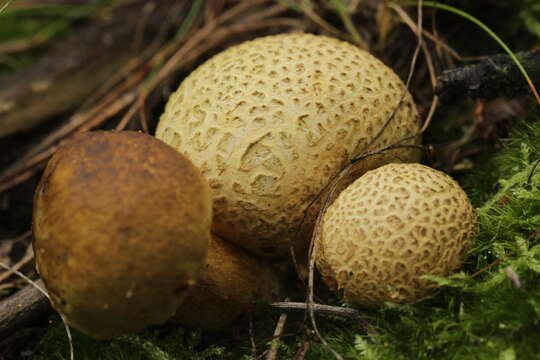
(153,344)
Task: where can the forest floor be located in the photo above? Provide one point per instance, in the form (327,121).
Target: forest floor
(489,143)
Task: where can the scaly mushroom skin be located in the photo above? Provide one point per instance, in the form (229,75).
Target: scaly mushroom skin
(389,228)
(231,282)
(269,122)
(122,225)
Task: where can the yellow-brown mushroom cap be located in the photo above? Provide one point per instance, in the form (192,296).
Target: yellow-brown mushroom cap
(231,282)
(272,120)
(122,225)
(389,228)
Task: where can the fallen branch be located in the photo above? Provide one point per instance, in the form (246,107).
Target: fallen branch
(22,308)
(490,78)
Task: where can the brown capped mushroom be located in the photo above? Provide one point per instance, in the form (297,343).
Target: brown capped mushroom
(121,225)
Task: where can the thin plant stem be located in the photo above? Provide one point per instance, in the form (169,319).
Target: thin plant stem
(341,9)
(190,19)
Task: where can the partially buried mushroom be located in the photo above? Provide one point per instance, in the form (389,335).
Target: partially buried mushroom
(122,226)
(231,283)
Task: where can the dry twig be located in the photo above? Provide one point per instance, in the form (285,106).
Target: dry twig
(252,338)
(28,256)
(22,308)
(273,351)
(305,348)
(325,310)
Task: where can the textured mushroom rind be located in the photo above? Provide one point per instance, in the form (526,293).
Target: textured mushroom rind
(122,226)
(270,121)
(389,228)
(232,282)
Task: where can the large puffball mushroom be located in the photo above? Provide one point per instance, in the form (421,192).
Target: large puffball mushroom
(122,226)
(270,122)
(232,282)
(389,228)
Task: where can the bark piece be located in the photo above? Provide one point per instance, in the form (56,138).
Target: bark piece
(496,76)
(22,308)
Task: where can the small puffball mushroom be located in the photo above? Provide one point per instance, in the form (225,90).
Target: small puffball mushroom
(122,226)
(231,282)
(389,228)
(270,121)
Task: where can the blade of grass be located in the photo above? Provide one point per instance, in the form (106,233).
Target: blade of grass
(290,4)
(306,8)
(4,7)
(490,32)
(190,18)
(341,9)
(184,29)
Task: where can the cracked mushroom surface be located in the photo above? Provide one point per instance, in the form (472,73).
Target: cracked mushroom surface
(389,228)
(121,227)
(270,121)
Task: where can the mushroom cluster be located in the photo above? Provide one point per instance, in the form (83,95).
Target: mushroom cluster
(272,121)
(122,221)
